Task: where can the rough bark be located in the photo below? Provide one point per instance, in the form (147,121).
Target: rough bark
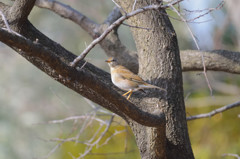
(159,64)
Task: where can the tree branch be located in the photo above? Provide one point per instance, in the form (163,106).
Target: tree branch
(216,60)
(69,13)
(90,82)
(231,154)
(113,16)
(20,10)
(111,44)
(214,112)
(118,22)
(5,21)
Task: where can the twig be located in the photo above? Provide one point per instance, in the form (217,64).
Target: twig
(214,112)
(113,153)
(114,134)
(76,118)
(117,23)
(119,6)
(136,27)
(230,154)
(5,21)
(53,150)
(90,146)
(220,5)
(187,20)
(134,4)
(196,43)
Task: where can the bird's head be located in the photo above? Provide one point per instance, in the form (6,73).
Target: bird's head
(112,62)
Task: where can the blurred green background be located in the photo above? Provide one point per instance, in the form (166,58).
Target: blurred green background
(29,98)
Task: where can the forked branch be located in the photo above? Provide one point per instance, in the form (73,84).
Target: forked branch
(117,23)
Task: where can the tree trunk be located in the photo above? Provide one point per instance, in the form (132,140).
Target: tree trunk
(159,64)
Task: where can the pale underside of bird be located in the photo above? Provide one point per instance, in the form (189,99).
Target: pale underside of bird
(126,80)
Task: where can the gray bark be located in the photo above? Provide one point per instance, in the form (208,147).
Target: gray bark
(159,64)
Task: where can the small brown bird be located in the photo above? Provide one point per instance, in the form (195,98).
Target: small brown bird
(125,79)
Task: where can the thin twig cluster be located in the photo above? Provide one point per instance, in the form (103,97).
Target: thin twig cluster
(101,136)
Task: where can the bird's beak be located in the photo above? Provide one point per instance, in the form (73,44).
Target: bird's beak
(108,61)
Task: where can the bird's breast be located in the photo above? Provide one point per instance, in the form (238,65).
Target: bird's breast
(123,84)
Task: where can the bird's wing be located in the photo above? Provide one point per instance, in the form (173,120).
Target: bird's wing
(127,74)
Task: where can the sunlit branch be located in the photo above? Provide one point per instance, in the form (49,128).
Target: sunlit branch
(214,112)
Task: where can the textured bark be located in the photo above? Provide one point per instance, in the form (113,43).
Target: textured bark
(159,64)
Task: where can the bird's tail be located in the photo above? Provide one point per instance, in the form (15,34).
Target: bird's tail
(152,86)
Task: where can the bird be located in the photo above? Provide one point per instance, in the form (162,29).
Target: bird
(126,80)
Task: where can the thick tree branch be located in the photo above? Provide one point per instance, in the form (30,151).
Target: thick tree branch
(95,85)
(216,60)
(214,112)
(20,11)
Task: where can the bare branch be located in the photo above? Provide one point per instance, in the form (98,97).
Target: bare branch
(119,6)
(114,134)
(76,118)
(90,146)
(207,11)
(68,12)
(111,45)
(5,21)
(231,154)
(53,150)
(134,4)
(117,23)
(95,139)
(214,112)
(196,43)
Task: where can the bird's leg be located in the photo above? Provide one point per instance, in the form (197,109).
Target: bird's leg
(129,95)
(129,92)
(126,93)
